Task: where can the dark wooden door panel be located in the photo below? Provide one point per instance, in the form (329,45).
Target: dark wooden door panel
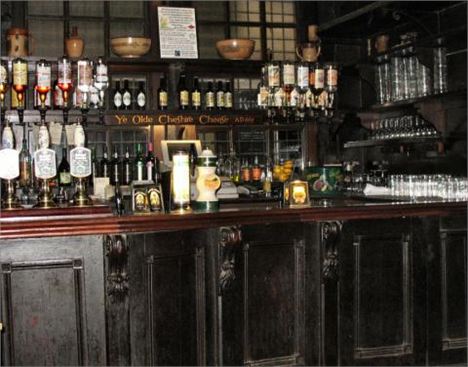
(273,299)
(382,297)
(453,290)
(378,301)
(52,302)
(167,291)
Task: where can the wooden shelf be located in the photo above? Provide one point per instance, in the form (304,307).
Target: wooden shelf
(408,103)
(400,141)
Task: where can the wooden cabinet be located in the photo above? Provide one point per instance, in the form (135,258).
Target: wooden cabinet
(52,303)
(382,294)
(447,302)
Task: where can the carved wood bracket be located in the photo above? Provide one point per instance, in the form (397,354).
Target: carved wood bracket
(330,233)
(117,275)
(230,239)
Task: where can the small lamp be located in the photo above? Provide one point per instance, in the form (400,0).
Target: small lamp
(296,194)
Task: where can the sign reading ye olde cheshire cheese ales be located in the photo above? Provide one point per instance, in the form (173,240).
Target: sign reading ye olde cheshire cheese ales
(183,119)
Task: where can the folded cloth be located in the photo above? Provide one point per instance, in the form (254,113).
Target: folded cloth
(371,190)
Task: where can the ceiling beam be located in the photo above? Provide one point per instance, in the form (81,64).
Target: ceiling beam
(352,15)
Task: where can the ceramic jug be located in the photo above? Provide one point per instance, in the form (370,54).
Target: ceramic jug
(18,42)
(74,44)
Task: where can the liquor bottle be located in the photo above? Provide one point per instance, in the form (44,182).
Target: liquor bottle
(84,79)
(43,81)
(25,162)
(228,96)
(94,166)
(139,164)
(220,96)
(196,95)
(115,167)
(157,171)
(3,82)
(64,78)
(20,80)
(105,167)
(117,96)
(141,96)
(101,79)
(150,163)
(289,81)
(209,97)
(126,96)
(64,176)
(162,93)
(118,200)
(183,93)
(319,82)
(57,96)
(262,94)
(126,169)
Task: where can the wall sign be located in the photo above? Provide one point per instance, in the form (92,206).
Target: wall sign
(177,33)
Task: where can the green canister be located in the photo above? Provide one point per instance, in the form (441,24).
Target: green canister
(323,180)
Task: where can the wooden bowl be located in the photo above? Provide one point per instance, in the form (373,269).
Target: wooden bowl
(130,47)
(236,48)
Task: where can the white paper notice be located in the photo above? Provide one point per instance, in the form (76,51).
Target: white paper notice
(70,129)
(177,33)
(55,130)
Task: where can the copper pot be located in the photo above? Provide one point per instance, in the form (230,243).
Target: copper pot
(18,42)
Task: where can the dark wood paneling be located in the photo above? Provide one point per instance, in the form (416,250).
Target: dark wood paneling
(382,311)
(51,298)
(167,310)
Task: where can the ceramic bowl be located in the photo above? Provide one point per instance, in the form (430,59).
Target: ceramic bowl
(236,48)
(130,47)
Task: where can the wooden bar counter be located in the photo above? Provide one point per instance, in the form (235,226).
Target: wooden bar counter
(346,282)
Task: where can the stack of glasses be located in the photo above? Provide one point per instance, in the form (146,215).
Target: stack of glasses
(408,126)
(446,187)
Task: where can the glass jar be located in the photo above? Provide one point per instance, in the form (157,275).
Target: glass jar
(396,70)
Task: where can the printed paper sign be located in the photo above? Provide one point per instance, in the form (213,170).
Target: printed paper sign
(177,33)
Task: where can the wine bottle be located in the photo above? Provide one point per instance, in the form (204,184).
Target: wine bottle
(105,169)
(162,93)
(150,163)
(139,164)
(220,96)
(25,162)
(3,81)
(209,97)
(141,96)
(183,93)
(196,95)
(228,96)
(126,169)
(118,199)
(115,167)
(126,96)
(117,96)
(64,176)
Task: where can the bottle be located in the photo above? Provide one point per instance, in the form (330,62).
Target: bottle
(139,164)
(20,80)
(262,94)
(141,96)
(94,166)
(126,169)
(220,96)
(25,163)
(105,169)
(150,163)
(101,79)
(118,199)
(3,81)
(256,171)
(115,167)
(162,93)
(157,171)
(126,96)
(196,95)
(43,81)
(228,96)
(183,93)
(64,176)
(209,97)
(117,96)
(64,78)
(245,172)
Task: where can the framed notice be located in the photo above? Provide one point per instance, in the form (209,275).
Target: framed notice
(177,33)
